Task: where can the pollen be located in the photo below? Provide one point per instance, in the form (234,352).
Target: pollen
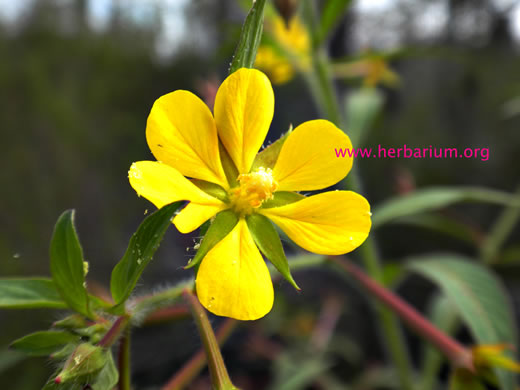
(254,188)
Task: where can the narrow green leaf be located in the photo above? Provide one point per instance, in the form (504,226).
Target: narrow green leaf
(268,241)
(29,294)
(435,198)
(142,246)
(333,11)
(67,264)
(223,223)
(250,37)
(442,224)
(44,342)
(267,158)
(479,298)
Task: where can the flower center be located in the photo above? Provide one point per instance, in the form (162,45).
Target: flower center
(254,188)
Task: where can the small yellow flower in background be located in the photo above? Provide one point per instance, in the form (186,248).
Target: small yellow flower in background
(492,355)
(183,135)
(293,41)
(372,69)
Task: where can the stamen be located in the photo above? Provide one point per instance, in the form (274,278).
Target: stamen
(254,188)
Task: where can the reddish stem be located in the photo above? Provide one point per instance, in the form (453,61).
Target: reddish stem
(114,332)
(459,355)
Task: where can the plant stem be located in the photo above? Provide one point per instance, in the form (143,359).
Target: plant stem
(193,366)
(219,375)
(124,361)
(112,335)
(460,356)
(324,94)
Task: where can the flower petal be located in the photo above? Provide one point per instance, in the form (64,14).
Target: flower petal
(161,184)
(308,159)
(194,215)
(331,223)
(244,108)
(233,279)
(181,132)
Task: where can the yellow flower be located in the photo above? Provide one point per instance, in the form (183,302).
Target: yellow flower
(183,135)
(293,50)
(493,355)
(372,69)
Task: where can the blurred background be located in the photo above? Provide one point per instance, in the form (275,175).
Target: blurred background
(77,81)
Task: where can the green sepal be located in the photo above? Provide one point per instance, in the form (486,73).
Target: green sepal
(267,158)
(268,241)
(63,353)
(212,189)
(94,332)
(67,264)
(108,377)
(85,361)
(230,169)
(250,38)
(74,321)
(281,198)
(223,223)
(43,343)
(142,247)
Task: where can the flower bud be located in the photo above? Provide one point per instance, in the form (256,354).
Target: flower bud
(84,362)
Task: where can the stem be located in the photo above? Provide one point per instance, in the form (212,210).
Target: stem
(460,356)
(112,335)
(324,94)
(167,314)
(124,361)
(219,375)
(193,366)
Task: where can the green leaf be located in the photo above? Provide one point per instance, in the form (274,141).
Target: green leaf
(67,264)
(435,198)
(44,342)
(442,224)
(267,158)
(108,377)
(362,107)
(223,223)
(479,298)
(268,241)
(29,294)
(281,198)
(333,11)
(250,37)
(142,246)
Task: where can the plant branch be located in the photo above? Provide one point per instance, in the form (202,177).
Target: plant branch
(459,355)
(193,366)
(219,375)
(112,335)
(124,361)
